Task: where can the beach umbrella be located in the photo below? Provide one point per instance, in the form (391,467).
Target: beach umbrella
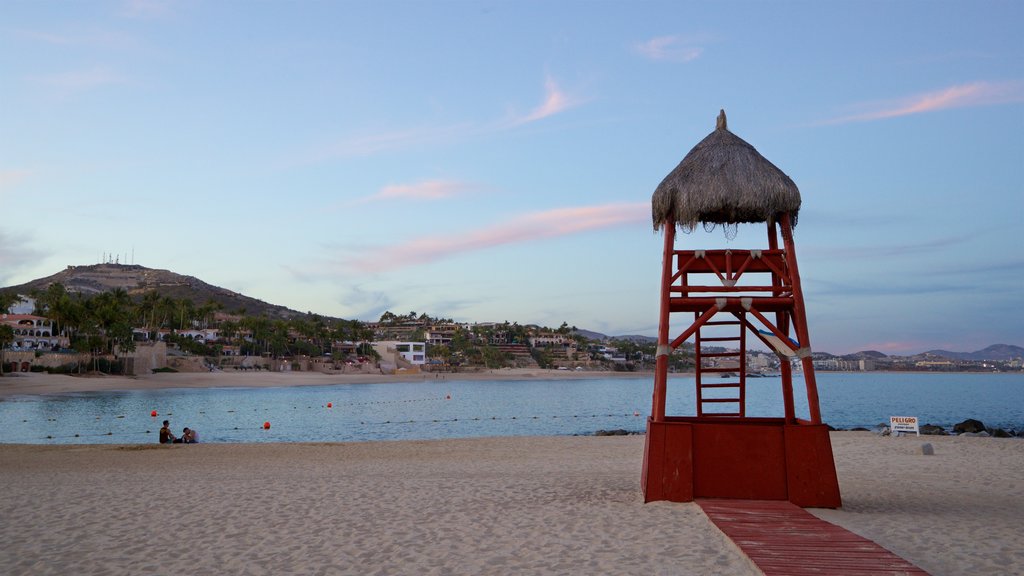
(723,180)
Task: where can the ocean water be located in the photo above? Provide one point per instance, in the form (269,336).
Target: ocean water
(432,409)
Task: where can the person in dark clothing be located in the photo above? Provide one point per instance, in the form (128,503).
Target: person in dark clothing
(166,436)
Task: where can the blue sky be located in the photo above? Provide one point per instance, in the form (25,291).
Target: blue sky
(492,161)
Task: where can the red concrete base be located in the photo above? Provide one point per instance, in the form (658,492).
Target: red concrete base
(749,458)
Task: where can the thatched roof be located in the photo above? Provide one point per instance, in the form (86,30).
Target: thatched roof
(723,180)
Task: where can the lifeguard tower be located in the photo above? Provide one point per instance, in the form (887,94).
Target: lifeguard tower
(725,297)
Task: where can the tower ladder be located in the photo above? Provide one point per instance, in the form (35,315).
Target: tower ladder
(714,383)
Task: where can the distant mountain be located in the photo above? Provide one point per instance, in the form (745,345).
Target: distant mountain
(636,338)
(591,335)
(865,355)
(137,280)
(998,352)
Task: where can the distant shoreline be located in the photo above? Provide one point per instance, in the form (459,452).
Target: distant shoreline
(40,384)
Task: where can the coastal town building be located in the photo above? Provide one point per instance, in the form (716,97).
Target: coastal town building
(26,305)
(442,334)
(397,353)
(841,365)
(34,333)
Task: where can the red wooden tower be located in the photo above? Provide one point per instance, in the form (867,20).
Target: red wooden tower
(724,296)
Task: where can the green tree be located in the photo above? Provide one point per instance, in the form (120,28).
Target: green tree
(8,298)
(6,338)
(145,312)
(441,352)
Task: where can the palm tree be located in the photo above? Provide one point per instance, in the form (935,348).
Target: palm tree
(165,309)
(146,311)
(206,311)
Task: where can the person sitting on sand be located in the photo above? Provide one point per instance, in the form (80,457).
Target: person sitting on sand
(188,436)
(166,437)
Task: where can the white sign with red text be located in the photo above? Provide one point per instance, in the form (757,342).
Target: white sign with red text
(900,424)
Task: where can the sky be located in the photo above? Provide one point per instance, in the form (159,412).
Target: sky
(494,161)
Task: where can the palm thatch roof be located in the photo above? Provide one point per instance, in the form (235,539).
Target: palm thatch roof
(723,180)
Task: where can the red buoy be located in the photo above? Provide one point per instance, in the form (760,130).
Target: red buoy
(266,425)
(153,413)
(330,405)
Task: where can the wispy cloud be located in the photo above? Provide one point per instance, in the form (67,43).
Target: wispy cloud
(556,101)
(669,48)
(77,81)
(426,190)
(961,96)
(526,228)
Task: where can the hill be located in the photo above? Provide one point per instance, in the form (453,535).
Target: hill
(999,352)
(137,280)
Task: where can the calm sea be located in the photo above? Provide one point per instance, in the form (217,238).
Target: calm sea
(432,409)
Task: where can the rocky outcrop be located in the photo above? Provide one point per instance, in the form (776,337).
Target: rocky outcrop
(969,426)
(932,430)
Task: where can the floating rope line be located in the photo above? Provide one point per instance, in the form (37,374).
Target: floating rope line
(212,431)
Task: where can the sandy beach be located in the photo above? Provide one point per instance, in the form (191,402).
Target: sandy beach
(558,505)
(550,505)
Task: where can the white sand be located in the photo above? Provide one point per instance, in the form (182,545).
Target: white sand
(481,506)
(566,505)
(959,511)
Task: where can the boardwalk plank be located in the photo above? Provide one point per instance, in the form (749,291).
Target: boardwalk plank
(783,539)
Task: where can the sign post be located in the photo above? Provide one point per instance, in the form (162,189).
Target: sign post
(900,424)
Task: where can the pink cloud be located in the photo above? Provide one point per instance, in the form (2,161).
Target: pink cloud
(671,48)
(9,179)
(555,101)
(962,96)
(525,228)
(425,190)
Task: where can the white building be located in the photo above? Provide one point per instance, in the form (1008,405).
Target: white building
(34,332)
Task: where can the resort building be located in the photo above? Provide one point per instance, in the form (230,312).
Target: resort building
(440,335)
(414,353)
(841,365)
(26,305)
(34,333)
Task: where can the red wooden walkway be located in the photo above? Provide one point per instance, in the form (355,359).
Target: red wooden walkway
(783,539)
